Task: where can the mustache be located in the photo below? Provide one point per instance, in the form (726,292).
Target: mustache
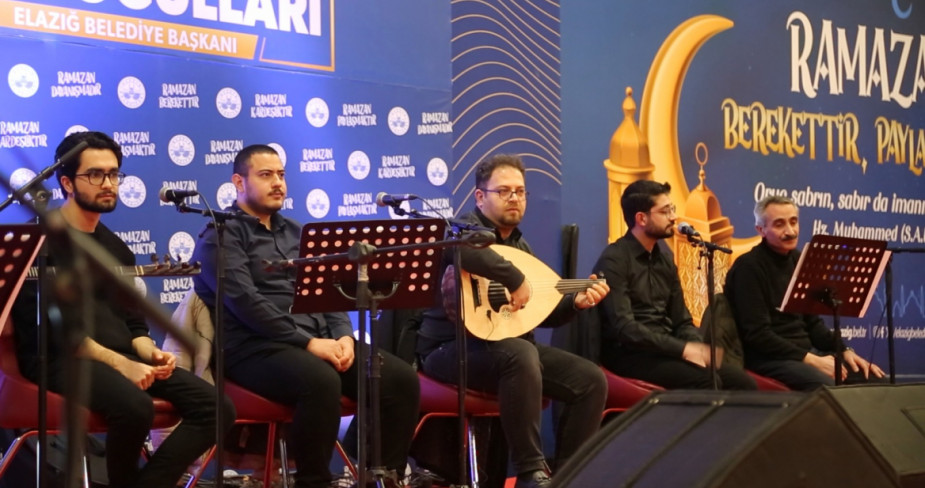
(789,237)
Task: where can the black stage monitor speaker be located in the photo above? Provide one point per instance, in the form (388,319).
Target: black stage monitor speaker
(729,439)
(892,417)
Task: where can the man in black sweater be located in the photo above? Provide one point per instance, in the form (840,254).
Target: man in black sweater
(519,370)
(126,367)
(648,332)
(794,349)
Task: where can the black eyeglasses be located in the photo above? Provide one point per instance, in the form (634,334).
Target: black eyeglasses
(666,211)
(97,176)
(505,193)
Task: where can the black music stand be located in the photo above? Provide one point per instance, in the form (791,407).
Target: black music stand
(836,276)
(403,274)
(19,245)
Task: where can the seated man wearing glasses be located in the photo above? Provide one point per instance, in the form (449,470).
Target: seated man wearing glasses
(647,331)
(126,369)
(518,369)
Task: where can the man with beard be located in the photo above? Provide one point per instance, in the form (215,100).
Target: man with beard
(126,368)
(302,360)
(794,349)
(647,330)
(519,370)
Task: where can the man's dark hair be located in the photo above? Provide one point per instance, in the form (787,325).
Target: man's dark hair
(242,160)
(640,196)
(95,140)
(485,168)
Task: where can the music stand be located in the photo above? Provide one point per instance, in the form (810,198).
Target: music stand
(836,276)
(19,245)
(352,273)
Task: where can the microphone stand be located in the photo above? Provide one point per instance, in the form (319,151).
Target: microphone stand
(706,250)
(889,305)
(455,230)
(40,197)
(219,218)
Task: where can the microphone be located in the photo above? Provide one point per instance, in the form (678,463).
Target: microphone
(168,195)
(688,230)
(383,199)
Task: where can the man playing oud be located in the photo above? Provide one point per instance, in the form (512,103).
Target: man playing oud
(518,369)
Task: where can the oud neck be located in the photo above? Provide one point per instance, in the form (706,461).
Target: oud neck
(574,286)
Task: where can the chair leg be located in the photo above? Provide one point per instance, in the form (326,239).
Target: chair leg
(473,454)
(351,468)
(202,467)
(284,461)
(14,448)
(271,451)
(86,473)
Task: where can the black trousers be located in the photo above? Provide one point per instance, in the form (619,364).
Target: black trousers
(672,373)
(521,373)
(798,375)
(129,412)
(293,376)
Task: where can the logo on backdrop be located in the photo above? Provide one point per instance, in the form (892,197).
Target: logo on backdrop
(135,143)
(131,92)
(317,203)
(75,129)
(23,80)
(358,165)
(22,133)
(223,151)
(20,177)
(132,191)
(437,171)
(356,114)
(141,287)
(357,204)
(178,95)
(181,246)
(271,106)
(175,289)
(226,195)
(435,123)
(396,166)
(399,121)
(181,150)
(75,84)
(139,241)
(317,113)
(317,160)
(228,102)
(279,150)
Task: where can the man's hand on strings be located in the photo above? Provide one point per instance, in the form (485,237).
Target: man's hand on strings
(592,295)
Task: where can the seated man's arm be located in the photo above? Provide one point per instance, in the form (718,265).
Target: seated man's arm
(752,306)
(242,297)
(618,321)
(142,375)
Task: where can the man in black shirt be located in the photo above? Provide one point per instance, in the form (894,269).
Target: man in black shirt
(794,349)
(303,360)
(519,370)
(647,330)
(126,367)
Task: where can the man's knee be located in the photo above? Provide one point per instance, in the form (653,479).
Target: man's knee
(135,411)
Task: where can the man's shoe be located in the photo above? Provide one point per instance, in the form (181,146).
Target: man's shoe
(535,479)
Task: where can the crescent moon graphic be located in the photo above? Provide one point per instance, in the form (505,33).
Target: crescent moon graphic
(658,118)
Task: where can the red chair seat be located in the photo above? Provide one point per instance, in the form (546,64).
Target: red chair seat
(767,384)
(437,397)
